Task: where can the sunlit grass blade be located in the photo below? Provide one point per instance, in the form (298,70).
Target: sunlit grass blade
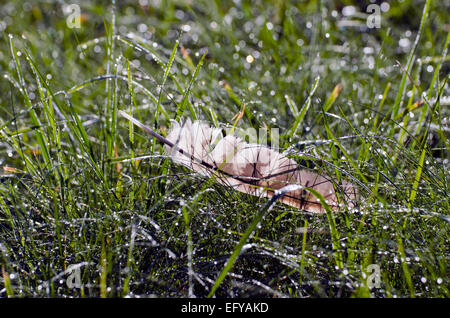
(246,236)
(409,64)
(40,136)
(300,117)
(164,79)
(332,98)
(182,106)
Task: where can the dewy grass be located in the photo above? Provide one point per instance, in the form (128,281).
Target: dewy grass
(90,206)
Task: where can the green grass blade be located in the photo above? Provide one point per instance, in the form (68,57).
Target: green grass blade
(182,106)
(406,72)
(299,119)
(246,236)
(41,138)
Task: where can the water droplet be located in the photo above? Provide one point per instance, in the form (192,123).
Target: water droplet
(142,27)
(404,42)
(186,27)
(179,14)
(385,6)
(348,10)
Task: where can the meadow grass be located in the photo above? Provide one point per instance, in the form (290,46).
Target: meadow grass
(90,206)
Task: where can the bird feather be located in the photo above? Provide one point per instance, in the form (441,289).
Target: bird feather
(247,167)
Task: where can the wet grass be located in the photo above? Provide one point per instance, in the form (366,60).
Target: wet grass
(90,206)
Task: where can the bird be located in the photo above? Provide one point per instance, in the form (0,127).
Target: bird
(250,168)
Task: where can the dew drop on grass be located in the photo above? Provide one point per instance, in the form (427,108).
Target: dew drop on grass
(142,27)
(348,10)
(385,6)
(252,85)
(404,42)
(213,25)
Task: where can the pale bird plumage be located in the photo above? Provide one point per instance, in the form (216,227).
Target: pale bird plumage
(249,168)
